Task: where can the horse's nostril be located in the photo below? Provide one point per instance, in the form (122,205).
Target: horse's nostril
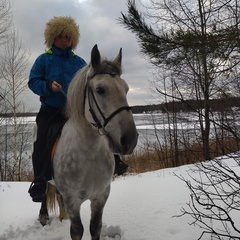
(128,143)
(123,141)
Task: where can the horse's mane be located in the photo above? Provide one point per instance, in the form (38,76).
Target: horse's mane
(76,90)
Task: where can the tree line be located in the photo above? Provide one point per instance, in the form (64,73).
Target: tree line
(216,105)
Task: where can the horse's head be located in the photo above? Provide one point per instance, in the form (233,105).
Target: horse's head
(106,104)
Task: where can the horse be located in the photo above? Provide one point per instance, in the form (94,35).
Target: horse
(99,124)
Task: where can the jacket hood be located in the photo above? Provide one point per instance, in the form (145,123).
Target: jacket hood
(64,25)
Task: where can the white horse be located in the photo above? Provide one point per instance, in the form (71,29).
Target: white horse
(100,123)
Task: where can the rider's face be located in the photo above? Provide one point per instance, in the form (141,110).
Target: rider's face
(62,41)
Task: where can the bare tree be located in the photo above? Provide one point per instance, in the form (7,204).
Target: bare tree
(195,47)
(13,77)
(5,27)
(215,201)
(5,20)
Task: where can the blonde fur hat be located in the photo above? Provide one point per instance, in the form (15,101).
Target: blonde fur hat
(64,25)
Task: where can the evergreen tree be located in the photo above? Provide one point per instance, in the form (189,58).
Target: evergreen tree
(195,46)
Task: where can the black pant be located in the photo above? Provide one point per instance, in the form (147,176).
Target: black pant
(46,117)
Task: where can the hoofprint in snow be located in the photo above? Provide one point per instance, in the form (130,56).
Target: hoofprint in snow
(140,207)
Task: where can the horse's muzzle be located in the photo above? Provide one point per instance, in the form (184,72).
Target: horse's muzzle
(128,143)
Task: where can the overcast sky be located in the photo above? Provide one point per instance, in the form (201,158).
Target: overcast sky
(98,25)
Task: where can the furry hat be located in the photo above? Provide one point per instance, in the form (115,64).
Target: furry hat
(58,25)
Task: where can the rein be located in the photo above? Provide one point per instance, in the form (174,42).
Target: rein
(62,92)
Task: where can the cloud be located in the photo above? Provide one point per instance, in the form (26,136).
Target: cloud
(98,25)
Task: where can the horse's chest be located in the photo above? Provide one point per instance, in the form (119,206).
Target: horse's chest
(81,166)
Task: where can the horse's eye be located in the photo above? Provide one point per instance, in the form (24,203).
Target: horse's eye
(100,90)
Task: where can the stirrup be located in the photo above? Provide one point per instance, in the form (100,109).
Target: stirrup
(38,189)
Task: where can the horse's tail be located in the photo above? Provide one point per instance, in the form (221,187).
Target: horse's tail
(51,198)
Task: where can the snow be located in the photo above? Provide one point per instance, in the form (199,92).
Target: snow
(140,207)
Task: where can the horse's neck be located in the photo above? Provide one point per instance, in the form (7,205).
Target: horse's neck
(86,139)
(83,127)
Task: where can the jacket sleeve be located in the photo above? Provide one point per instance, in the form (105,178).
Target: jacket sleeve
(37,82)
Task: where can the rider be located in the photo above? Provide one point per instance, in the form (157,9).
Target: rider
(49,78)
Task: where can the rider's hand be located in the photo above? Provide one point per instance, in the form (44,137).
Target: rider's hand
(56,86)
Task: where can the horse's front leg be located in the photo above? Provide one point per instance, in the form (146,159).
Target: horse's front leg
(76,229)
(43,217)
(97,206)
(72,206)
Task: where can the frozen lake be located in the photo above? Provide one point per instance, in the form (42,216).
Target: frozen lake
(146,124)
(151,127)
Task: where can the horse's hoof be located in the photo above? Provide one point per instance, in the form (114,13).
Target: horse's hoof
(117,237)
(63,216)
(76,237)
(43,219)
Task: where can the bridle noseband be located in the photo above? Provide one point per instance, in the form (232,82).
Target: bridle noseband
(94,116)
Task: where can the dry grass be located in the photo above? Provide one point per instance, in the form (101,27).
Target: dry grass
(152,158)
(27,176)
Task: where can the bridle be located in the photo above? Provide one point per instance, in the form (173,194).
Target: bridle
(94,116)
(106,119)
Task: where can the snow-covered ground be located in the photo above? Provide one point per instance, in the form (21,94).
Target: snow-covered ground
(140,207)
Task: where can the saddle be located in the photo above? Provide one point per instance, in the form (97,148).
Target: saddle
(53,138)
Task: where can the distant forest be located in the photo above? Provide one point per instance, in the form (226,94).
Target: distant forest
(188,105)
(174,106)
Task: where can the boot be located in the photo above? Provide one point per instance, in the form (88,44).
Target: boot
(120,166)
(38,189)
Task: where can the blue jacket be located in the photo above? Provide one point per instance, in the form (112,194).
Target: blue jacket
(54,65)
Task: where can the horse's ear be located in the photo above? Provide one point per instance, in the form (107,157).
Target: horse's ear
(95,57)
(118,59)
